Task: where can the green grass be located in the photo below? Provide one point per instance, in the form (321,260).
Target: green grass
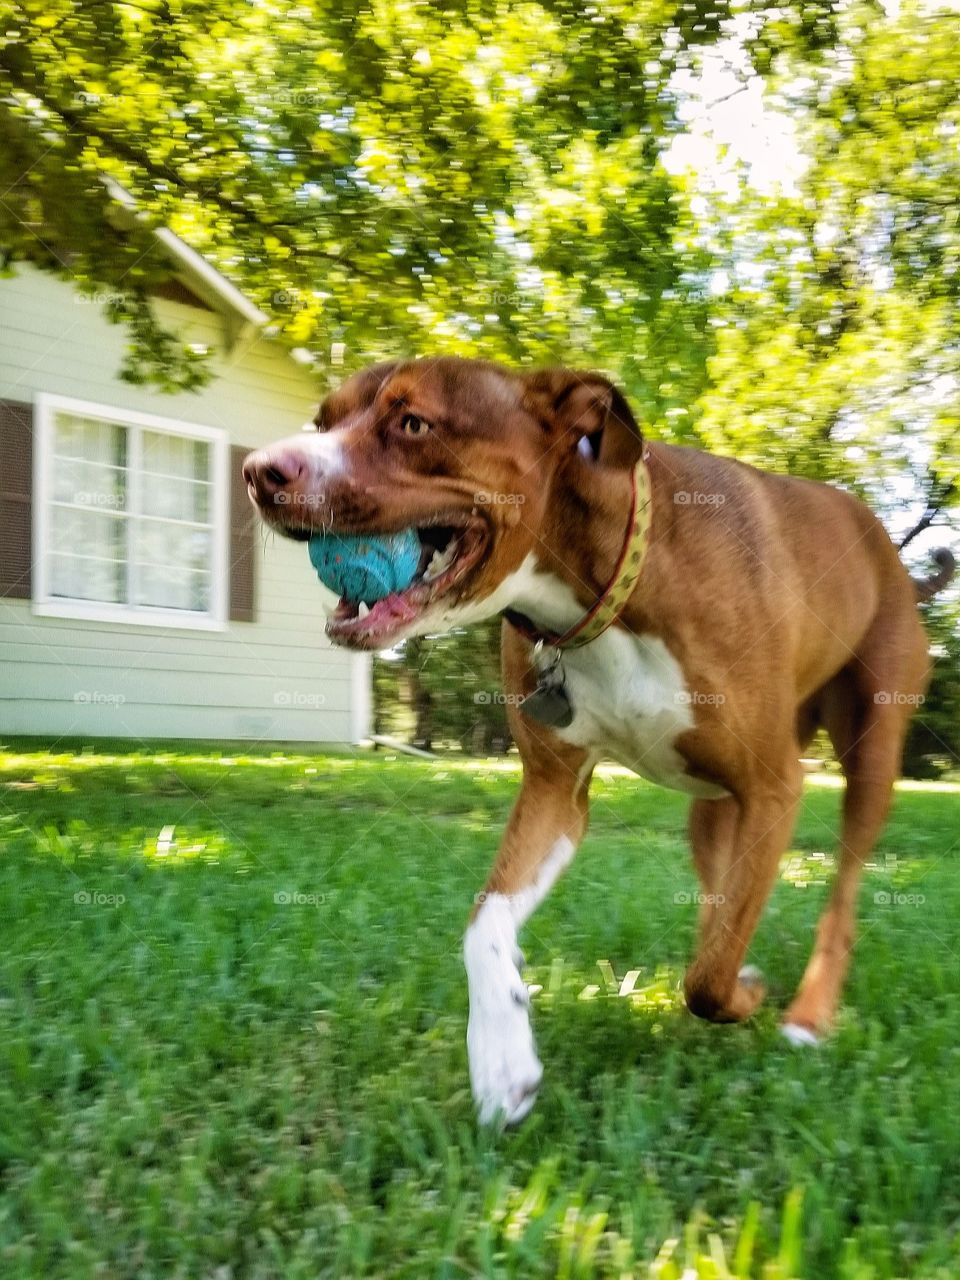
(200,1082)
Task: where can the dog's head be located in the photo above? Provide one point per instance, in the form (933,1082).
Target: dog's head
(470,455)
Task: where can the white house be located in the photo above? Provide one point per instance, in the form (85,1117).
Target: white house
(139,597)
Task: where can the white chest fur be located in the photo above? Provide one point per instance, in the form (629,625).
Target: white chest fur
(628,694)
(631,703)
(629,697)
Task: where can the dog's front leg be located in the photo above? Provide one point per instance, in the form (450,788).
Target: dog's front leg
(545,827)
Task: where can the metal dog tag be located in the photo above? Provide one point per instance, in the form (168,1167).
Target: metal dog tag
(549,703)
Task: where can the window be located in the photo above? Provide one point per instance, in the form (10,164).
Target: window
(130,516)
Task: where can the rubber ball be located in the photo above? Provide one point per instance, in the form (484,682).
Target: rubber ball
(364,566)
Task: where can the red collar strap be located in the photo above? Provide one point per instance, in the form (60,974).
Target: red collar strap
(612,601)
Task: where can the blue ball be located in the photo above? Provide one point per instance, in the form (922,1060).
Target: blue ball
(366,566)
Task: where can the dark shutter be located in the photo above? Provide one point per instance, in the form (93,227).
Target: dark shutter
(16,485)
(244,523)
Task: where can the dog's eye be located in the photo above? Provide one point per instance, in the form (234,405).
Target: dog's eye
(411,425)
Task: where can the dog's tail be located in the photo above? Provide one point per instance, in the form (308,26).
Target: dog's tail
(946,563)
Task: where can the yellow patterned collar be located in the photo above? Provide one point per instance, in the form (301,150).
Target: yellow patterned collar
(613,599)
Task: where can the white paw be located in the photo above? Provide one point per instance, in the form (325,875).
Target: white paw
(505,1071)
(751,976)
(799,1037)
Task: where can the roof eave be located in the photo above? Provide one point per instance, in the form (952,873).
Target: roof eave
(192,269)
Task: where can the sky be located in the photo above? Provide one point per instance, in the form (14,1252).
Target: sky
(728,124)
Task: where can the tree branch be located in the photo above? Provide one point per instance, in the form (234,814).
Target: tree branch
(938,495)
(121,148)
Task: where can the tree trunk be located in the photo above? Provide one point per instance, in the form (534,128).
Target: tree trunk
(421,700)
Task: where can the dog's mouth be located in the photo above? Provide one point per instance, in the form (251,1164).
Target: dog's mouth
(450,548)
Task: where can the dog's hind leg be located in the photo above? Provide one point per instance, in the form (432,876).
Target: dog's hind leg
(866,710)
(545,827)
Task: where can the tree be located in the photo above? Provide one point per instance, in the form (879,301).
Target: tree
(838,332)
(487,178)
(836,308)
(838,347)
(933,744)
(478,177)
(446,691)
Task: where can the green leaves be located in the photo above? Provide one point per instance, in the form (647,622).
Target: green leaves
(838,353)
(477,178)
(490,180)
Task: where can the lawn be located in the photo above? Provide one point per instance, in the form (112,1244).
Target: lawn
(232,1040)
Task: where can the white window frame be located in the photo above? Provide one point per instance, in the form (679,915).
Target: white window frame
(44,604)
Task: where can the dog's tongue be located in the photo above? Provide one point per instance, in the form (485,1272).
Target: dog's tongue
(391,609)
(384,613)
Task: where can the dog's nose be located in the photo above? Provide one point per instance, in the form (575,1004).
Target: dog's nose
(273,471)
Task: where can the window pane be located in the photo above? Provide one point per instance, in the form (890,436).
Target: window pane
(86,555)
(174,589)
(176,480)
(76,578)
(89,533)
(172,565)
(176,456)
(157,542)
(175,499)
(86,552)
(90,484)
(91,439)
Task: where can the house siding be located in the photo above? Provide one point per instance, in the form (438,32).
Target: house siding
(276,678)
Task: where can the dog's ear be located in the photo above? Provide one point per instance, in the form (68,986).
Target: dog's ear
(589,408)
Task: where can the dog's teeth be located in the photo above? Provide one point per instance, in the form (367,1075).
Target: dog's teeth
(362,609)
(440,561)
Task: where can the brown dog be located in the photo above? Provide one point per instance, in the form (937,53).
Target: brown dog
(758,608)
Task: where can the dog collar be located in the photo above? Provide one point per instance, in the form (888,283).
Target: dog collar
(612,600)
